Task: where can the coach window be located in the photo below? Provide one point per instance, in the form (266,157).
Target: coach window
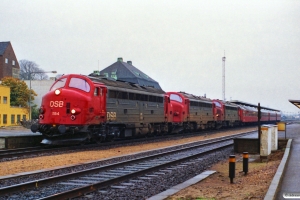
(160,99)
(131,96)
(112,94)
(60,83)
(138,97)
(124,95)
(80,84)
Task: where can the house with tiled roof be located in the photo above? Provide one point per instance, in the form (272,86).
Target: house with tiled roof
(125,71)
(9,65)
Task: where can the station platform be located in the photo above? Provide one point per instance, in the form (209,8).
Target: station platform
(288,186)
(13,137)
(286,182)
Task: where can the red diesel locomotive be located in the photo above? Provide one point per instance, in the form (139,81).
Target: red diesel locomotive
(79,109)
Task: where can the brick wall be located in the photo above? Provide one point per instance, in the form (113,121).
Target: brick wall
(11,68)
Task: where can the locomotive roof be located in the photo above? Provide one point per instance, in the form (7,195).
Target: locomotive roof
(252,105)
(122,84)
(127,72)
(191,96)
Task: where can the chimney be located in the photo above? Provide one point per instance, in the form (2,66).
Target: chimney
(120,59)
(129,62)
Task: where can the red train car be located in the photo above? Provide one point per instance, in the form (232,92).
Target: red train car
(191,113)
(83,108)
(79,109)
(248,115)
(229,113)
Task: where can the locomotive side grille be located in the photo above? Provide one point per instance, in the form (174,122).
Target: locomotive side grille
(68,108)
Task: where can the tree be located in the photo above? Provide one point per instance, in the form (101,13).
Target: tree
(27,69)
(35,112)
(19,92)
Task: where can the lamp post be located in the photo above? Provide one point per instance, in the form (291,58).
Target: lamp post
(54,72)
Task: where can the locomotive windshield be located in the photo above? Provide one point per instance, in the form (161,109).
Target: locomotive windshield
(59,84)
(80,84)
(175,97)
(217,104)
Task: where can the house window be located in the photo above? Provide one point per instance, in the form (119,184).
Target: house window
(13,119)
(5,100)
(114,75)
(18,118)
(4,119)
(24,117)
(105,74)
(6,60)
(13,62)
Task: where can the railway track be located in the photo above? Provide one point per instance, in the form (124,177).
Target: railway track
(132,169)
(13,154)
(10,153)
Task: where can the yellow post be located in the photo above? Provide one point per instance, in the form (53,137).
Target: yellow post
(281,126)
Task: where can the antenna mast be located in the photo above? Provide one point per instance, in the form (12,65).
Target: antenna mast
(223,76)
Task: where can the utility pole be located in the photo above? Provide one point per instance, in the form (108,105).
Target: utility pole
(223,76)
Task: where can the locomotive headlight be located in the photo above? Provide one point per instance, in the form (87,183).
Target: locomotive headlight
(57,92)
(75,111)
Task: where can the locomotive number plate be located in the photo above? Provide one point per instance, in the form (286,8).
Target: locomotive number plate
(111,115)
(55,113)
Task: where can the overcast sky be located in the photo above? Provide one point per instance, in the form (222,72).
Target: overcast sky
(178,43)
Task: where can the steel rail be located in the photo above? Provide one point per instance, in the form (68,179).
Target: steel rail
(77,192)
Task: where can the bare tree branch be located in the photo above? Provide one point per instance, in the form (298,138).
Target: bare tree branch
(28,68)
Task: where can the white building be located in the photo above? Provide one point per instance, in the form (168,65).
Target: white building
(41,87)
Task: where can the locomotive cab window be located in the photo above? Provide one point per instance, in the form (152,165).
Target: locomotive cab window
(60,83)
(175,97)
(96,92)
(218,104)
(80,84)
